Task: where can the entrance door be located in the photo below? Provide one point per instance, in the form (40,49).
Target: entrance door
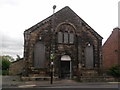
(65,69)
(65,66)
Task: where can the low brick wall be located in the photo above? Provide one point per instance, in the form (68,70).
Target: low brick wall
(97,79)
(17,67)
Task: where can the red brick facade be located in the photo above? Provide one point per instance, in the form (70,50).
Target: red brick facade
(111,49)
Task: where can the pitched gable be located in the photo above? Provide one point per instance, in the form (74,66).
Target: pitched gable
(66,14)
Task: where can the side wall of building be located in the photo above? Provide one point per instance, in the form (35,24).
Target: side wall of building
(111,49)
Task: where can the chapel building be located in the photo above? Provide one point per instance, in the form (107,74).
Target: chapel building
(65,41)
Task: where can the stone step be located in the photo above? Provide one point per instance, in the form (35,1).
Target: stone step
(38,78)
(39,74)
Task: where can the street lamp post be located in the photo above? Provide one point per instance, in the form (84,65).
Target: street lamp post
(52,47)
(51,81)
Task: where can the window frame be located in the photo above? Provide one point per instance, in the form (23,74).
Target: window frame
(68,38)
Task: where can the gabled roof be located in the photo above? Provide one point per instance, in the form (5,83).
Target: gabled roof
(115,32)
(33,28)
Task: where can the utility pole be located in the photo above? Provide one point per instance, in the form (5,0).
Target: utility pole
(52,53)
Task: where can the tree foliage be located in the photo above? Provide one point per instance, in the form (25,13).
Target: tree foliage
(5,62)
(114,71)
(7,57)
(18,57)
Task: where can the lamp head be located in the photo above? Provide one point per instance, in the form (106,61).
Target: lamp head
(54,6)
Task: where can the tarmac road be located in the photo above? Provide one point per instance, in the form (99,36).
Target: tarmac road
(14,82)
(82,85)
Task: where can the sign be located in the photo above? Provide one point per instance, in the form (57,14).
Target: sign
(52,56)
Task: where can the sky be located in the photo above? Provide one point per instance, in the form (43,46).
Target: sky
(18,15)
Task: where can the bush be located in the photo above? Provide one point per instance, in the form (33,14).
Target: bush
(5,64)
(114,71)
(5,72)
(0,72)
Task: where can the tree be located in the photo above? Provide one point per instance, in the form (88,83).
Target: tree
(18,57)
(5,62)
(7,57)
(114,71)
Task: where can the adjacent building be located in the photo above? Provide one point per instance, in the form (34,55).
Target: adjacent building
(111,49)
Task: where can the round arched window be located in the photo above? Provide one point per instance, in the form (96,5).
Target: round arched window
(66,34)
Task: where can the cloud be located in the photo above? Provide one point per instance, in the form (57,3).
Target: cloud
(18,15)
(11,43)
(11,46)
(8,2)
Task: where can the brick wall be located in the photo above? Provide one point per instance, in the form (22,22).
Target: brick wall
(111,49)
(17,67)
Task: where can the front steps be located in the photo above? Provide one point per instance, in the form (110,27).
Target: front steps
(38,74)
(38,78)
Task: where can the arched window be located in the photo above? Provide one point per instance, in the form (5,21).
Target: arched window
(89,62)
(66,34)
(39,55)
(65,37)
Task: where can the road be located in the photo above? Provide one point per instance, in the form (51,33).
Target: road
(14,82)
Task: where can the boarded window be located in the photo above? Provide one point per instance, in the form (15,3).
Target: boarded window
(60,37)
(71,38)
(89,56)
(39,55)
(66,37)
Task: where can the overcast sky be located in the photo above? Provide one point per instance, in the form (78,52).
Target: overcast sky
(18,15)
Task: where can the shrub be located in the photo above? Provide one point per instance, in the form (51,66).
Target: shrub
(114,71)
(5,72)
(5,64)
(0,72)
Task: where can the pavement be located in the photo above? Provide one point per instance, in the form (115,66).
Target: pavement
(15,82)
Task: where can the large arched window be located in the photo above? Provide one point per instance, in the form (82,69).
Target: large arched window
(65,37)
(66,34)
